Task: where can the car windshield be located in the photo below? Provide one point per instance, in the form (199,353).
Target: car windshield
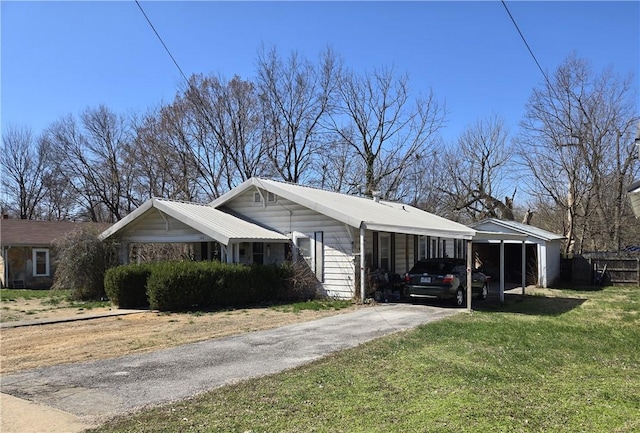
(432,267)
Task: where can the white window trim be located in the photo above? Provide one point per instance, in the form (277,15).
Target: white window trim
(258,196)
(47,262)
(387,237)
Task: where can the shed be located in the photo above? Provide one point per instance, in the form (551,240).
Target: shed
(538,249)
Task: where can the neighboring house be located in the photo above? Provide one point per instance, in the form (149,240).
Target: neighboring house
(634,196)
(264,221)
(541,249)
(26,256)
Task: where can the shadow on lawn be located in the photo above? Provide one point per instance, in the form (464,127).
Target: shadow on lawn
(534,305)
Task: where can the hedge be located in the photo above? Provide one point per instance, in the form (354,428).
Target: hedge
(185,286)
(126,286)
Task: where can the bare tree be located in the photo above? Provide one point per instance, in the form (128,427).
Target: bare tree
(385,126)
(477,168)
(233,115)
(90,157)
(296,97)
(24,161)
(337,167)
(576,142)
(160,164)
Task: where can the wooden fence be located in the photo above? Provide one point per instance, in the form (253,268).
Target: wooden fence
(601,269)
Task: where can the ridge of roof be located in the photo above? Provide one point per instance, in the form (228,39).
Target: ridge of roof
(215,223)
(358,212)
(518,226)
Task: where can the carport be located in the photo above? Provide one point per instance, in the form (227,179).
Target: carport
(488,237)
(540,256)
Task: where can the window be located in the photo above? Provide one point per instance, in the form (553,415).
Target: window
(311,250)
(258,253)
(304,249)
(259,199)
(40,262)
(384,241)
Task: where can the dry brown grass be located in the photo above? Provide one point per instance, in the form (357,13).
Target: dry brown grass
(44,345)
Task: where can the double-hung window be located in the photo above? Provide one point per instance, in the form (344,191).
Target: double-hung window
(41,262)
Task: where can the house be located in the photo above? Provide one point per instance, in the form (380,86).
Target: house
(26,256)
(340,236)
(531,254)
(634,196)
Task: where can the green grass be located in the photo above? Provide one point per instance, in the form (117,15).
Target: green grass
(556,361)
(8,295)
(314,305)
(54,298)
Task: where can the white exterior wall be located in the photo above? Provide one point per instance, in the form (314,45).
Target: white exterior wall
(553,253)
(154,226)
(287,217)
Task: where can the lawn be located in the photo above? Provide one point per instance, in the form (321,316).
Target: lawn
(554,361)
(21,304)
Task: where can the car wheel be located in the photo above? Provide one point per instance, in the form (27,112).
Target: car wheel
(459,297)
(485,292)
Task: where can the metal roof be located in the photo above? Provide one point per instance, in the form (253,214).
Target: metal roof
(517,227)
(212,222)
(357,211)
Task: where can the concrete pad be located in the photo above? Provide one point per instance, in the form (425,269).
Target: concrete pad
(22,416)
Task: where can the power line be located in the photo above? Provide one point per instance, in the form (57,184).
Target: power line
(162,42)
(525,42)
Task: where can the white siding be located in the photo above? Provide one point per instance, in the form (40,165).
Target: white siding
(287,217)
(152,227)
(553,262)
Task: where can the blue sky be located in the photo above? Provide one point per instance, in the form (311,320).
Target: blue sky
(58,58)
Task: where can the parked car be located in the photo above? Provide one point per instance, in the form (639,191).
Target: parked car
(444,278)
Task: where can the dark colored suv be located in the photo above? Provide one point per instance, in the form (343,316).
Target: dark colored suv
(443,278)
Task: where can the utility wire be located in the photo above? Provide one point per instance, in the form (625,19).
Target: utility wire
(162,42)
(526,44)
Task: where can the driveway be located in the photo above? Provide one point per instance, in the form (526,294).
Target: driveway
(96,391)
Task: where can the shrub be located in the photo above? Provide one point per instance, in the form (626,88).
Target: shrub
(179,286)
(126,286)
(186,285)
(81,260)
(300,283)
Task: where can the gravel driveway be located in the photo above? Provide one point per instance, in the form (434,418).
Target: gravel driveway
(95,391)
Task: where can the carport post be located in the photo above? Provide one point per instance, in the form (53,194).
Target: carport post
(469,267)
(362,263)
(502,270)
(524,266)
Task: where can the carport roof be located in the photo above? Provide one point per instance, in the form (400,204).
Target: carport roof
(216,224)
(488,236)
(513,226)
(357,211)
